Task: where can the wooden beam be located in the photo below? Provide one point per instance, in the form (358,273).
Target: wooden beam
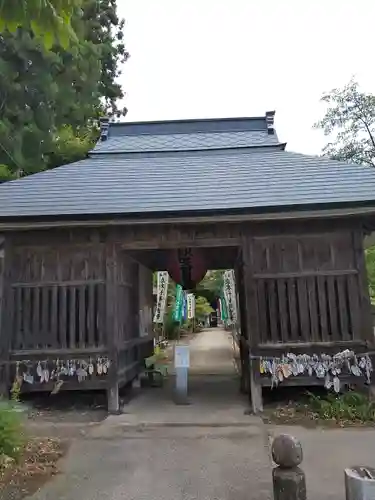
(199,219)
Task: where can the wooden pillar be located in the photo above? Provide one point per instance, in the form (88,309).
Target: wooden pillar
(6,325)
(244,348)
(252,324)
(112,327)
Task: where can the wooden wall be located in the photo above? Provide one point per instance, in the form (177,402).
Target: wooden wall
(302,284)
(306,288)
(56,297)
(72,293)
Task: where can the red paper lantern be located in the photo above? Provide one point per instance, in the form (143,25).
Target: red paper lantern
(187,267)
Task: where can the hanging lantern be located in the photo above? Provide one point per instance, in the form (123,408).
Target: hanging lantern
(187,267)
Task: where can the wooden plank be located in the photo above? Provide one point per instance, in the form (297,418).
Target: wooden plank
(82,315)
(304,317)
(273,310)
(332,308)
(63,325)
(303,347)
(45,330)
(322,302)
(253,310)
(111,327)
(30,340)
(283,309)
(354,307)
(38,284)
(305,274)
(313,308)
(7,315)
(91,323)
(101,315)
(18,341)
(262,312)
(343,308)
(72,317)
(35,327)
(292,306)
(54,333)
(53,353)
(134,302)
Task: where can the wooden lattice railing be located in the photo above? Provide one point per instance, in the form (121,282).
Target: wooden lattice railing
(58,315)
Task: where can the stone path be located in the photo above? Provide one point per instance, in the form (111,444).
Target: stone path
(159,451)
(212,353)
(207,450)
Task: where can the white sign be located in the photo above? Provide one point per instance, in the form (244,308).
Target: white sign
(191,305)
(161,296)
(181,356)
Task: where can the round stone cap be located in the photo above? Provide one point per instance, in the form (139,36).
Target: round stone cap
(286,451)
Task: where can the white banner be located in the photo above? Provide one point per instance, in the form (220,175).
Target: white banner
(161,294)
(230,296)
(191,305)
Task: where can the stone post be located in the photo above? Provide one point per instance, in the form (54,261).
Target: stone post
(288,479)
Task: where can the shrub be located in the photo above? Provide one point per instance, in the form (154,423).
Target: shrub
(350,406)
(12,439)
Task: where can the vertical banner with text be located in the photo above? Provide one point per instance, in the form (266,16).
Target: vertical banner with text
(179,304)
(161,296)
(230,296)
(191,305)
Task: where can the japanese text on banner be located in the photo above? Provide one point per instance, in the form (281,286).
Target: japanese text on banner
(161,294)
(230,296)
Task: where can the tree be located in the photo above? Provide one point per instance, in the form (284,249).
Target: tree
(350,118)
(50,100)
(202,308)
(211,285)
(50,20)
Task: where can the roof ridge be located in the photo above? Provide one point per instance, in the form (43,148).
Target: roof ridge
(278,145)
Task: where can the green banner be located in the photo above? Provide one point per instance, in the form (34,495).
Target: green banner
(223,309)
(177,311)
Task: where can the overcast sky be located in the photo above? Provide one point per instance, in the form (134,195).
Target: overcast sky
(222,58)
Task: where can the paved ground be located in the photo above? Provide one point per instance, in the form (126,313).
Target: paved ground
(212,353)
(166,464)
(208,450)
(159,451)
(327,452)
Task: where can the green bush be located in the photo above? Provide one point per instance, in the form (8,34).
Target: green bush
(12,438)
(350,406)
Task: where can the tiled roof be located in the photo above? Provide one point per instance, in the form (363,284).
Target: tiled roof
(185,142)
(187,181)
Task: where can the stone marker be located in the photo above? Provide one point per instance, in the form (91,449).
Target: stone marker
(289,481)
(181,363)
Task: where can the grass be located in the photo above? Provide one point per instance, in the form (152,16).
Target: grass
(12,436)
(322,408)
(25,464)
(348,407)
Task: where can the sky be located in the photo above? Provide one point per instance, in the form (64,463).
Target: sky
(228,58)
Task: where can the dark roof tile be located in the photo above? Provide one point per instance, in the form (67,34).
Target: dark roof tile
(185,142)
(187,181)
